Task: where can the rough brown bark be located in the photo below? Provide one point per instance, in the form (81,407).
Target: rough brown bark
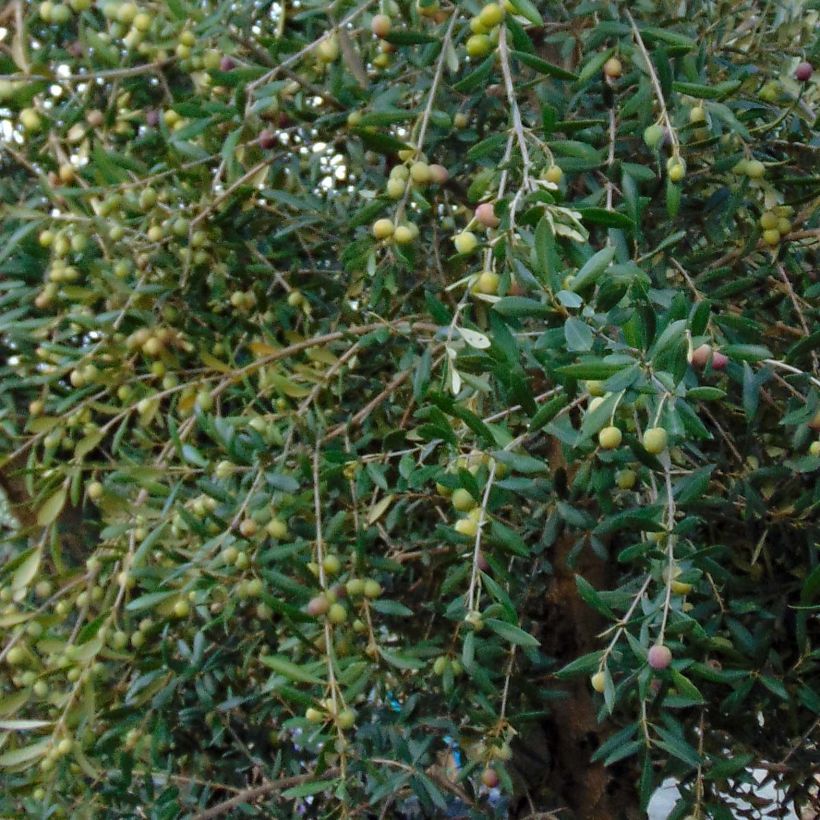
(566,741)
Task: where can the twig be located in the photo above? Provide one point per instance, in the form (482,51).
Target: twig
(504,57)
(655,84)
(670,543)
(249,795)
(398,380)
(471,603)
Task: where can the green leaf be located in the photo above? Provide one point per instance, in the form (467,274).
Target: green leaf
(26,570)
(526,8)
(25,754)
(724,768)
(150,600)
(400,660)
(693,486)
(508,538)
(677,747)
(543,66)
(685,687)
(519,462)
(594,369)
(664,35)
(10,243)
(547,412)
(594,65)
(705,393)
(511,633)
(387,607)
(86,444)
(610,219)
(708,92)
(307,789)
(475,78)
(23,725)
(285,667)
(590,595)
(83,653)
(747,353)
(52,507)
(520,306)
(584,665)
(592,269)
(578,334)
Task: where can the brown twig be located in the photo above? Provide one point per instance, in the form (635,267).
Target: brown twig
(254,793)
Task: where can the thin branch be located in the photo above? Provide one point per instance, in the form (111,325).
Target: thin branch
(249,795)
(655,84)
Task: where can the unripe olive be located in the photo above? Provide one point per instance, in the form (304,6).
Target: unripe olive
(625,479)
(15,656)
(182,609)
(598,681)
(755,169)
(95,490)
(465,242)
(276,528)
(420,173)
(467,527)
(383,228)
(488,282)
(328,49)
(610,438)
(372,588)
(440,664)
(479,45)
(491,15)
(613,68)
(30,120)
(337,614)
(655,440)
(346,719)
(395,187)
(331,564)
(463,500)
(676,168)
(403,235)
(354,587)
(314,715)
(653,135)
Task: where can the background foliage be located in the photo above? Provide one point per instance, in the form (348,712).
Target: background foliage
(330,515)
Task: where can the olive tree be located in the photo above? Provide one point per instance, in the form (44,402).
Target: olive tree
(408,409)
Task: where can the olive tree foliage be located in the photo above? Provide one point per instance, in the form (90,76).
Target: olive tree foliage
(387,386)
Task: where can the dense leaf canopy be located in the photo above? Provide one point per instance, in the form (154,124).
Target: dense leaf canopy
(400,401)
